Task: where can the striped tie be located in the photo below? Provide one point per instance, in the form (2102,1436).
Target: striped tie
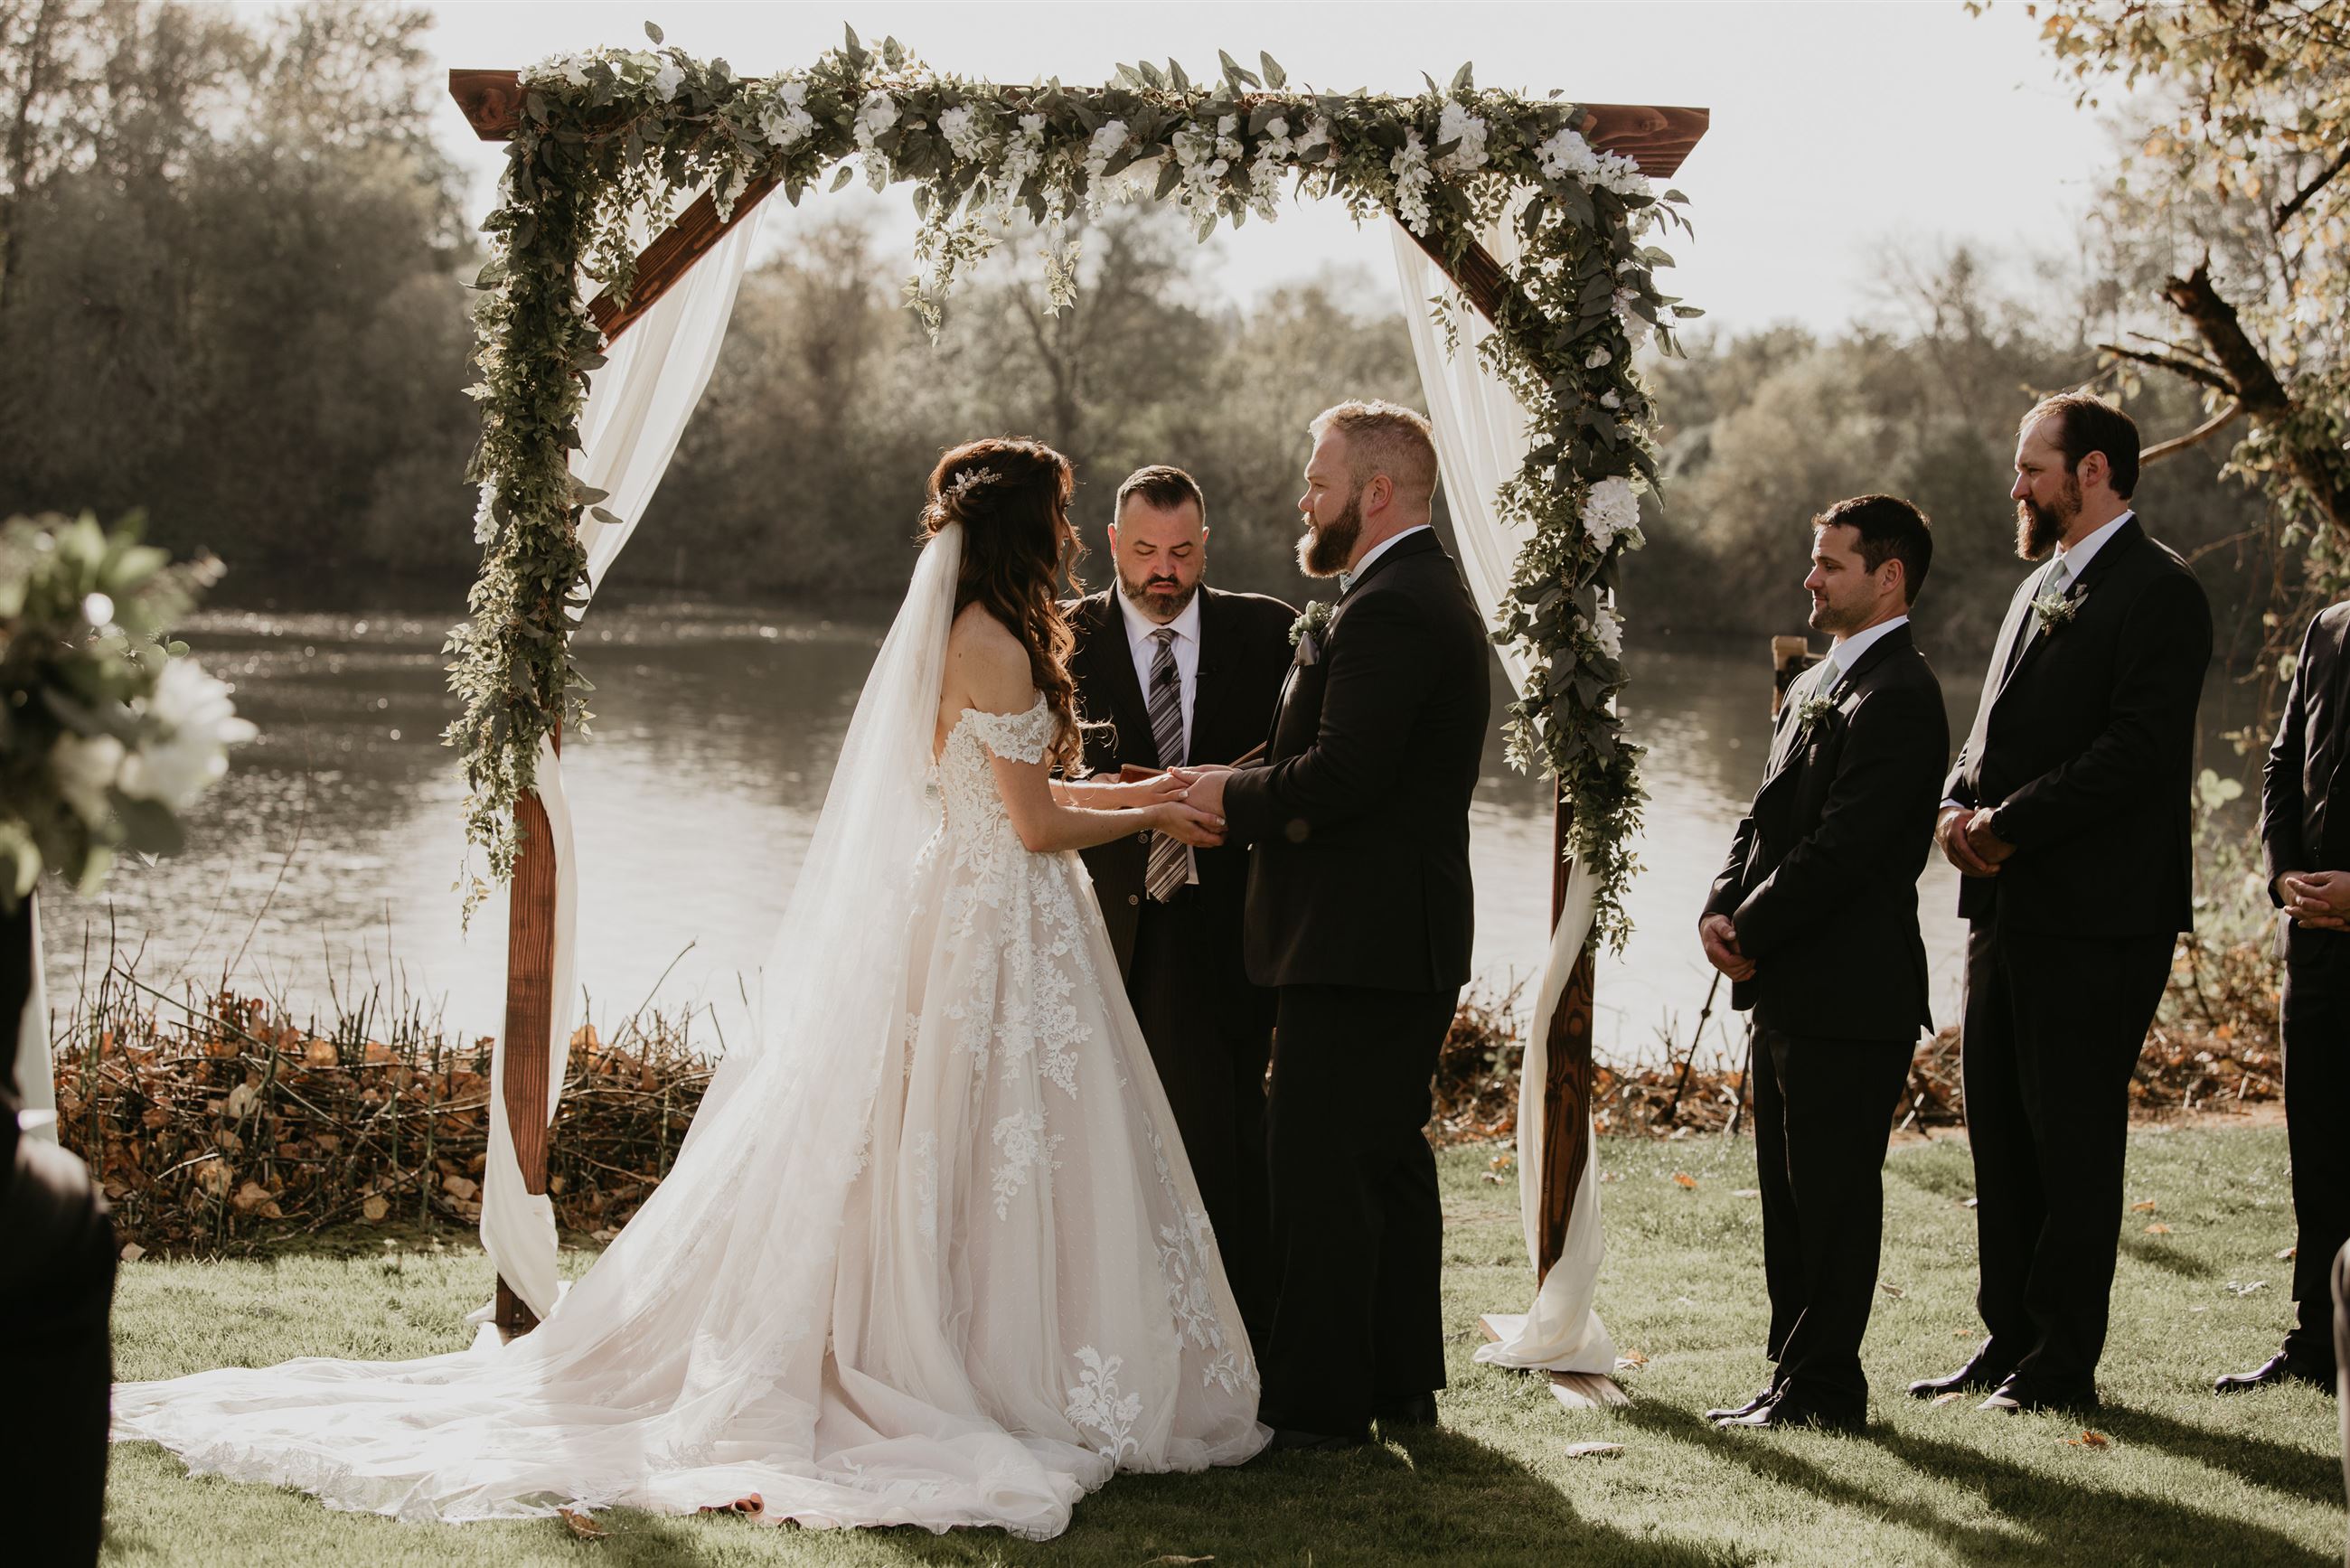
(1171,859)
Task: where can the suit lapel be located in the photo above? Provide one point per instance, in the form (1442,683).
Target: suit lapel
(2122,541)
(1783,743)
(1219,656)
(1114,667)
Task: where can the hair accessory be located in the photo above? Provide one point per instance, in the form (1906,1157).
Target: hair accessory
(970,479)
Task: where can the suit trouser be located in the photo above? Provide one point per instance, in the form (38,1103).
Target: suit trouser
(2316,1029)
(1210,1033)
(2054,1027)
(57,1287)
(2341,1293)
(1358,1229)
(1823,1117)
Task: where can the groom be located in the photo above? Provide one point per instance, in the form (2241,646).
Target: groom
(1359,915)
(1187,673)
(1814,918)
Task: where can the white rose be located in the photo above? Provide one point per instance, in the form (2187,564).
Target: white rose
(83,769)
(666,80)
(1609,631)
(199,723)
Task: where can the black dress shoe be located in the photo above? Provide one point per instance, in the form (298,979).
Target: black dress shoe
(1738,1412)
(1793,1410)
(1979,1376)
(2279,1368)
(2021,1396)
(1294,1439)
(1419,1410)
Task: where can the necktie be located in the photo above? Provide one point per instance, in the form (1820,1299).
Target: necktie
(1171,859)
(2054,582)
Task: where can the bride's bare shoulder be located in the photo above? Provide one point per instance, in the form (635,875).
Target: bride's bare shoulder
(987,663)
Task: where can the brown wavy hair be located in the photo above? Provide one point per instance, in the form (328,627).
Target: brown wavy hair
(1011,497)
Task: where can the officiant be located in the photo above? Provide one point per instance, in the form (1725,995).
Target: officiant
(1176,672)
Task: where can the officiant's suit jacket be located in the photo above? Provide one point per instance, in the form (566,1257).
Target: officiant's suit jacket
(2085,750)
(2299,829)
(1243,652)
(1822,878)
(1359,818)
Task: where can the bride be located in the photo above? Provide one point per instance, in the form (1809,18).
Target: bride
(931,1253)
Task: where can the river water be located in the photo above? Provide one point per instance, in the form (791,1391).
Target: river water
(325,866)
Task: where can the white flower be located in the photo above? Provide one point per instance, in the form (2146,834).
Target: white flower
(1107,141)
(1276,127)
(966,139)
(1609,632)
(1315,134)
(83,769)
(485,525)
(1568,156)
(199,723)
(1228,124)
(877,114)
(666,79)
(1409,166)
(1596,357)
(1637,327)
(1611,511)
(1608,399)
(1457,124)
(784,120)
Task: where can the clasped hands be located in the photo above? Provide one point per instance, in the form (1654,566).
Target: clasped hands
(1965,833)
(2319,899)
(1180,803)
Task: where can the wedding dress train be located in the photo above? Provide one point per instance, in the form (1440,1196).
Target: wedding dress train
(931,1254)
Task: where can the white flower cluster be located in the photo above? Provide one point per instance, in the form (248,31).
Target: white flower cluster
(1612,511)
(784,120)
(1107,143)
(966,137)
(668,79)
(485,525)
(196,722)
(1206,156)
(572,68)
(1636,326)
(1458,124)
(1412,178)
(1567,155)
(1273,156)
(1022,156)
(877,114)
(1608,631)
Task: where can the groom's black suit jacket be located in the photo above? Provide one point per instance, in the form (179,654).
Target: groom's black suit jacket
(2299,830)
(1359,818)
(1822,878)
(1243,648)
(2085,750)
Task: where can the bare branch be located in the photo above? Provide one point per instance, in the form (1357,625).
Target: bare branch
(2195,437)
(2173,363)
(2284,214)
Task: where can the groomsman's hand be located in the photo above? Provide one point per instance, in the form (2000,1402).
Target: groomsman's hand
(1721,940)
(2317,898)
(1988,846)
(1950,833)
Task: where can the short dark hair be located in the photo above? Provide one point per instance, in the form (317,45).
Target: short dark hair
(1162,487)
(1890,529)
(2085,424)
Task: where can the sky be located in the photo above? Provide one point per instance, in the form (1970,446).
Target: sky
(1843,136)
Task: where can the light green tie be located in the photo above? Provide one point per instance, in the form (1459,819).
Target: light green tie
(2059,578)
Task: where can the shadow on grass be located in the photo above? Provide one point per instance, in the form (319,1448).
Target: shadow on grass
(2254,1460)
(2058,1518)
(1444,1498)
(2169,1260)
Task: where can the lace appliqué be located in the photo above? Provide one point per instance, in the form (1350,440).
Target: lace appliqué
(926,1190)
(1027,1151)
(1096,1406)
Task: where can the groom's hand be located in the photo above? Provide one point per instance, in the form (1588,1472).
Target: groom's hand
(2317,898)
(1950,833)
(1206,788)
(1721,940)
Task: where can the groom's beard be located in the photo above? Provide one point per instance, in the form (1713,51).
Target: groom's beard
(1161,599)
(1325,550)
(2038,527)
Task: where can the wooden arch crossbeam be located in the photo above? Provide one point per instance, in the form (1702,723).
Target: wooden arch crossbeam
(1657,138)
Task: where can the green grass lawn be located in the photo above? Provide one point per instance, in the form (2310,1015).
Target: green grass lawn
(2184,1478)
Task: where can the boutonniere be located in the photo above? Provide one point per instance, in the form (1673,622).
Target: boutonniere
(1813,713)
(1306,632)
(2055,611)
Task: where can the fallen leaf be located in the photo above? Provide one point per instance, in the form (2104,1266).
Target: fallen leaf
(250,1197)
(459,1187)
(1893,1291)
(375,1208)
(1946,1399)
(132,1252)
(1970,1203)
(321,1053)
(1632,1358)
(2143,1206)
(1683,1178)
(2157,1228)
(580,1525)
(1593,1450)
(750,1502)
(1746,1192)
(2088,1440)
(2244,1289)
(2287,1254)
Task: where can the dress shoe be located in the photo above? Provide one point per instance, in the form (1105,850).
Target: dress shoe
(1792,1410)
(1738,1412)
(1976,1376)
(1294,1439)
(2021,1396)
(1419,1410)
(2279,1368)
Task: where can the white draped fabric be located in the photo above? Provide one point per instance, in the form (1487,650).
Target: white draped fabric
(638,404)
(1481,437)
(37,1080)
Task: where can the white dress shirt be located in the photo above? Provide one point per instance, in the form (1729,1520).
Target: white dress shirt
(1140,640)
(2076,559)
(1846,650)
(1349,578)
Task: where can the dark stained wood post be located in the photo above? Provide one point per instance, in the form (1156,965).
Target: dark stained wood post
(530,1011)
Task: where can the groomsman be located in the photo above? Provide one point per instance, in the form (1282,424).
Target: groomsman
(1815,919)
(1359,912)
(2067,816)
(2307,850)
(1186,674)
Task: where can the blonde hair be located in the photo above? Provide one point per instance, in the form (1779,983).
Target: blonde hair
(1384,438)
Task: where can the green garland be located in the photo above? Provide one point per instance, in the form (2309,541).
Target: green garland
(607,134)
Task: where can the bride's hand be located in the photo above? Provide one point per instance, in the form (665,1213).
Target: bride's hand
(1149,791)
(1185,825)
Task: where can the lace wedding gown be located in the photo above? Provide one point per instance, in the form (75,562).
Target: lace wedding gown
(931,1254)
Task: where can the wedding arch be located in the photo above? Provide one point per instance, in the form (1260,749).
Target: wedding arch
(1533,213)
